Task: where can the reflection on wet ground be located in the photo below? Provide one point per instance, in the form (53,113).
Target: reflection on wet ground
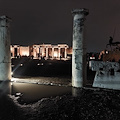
(30,93)
(32,89)
(34,92)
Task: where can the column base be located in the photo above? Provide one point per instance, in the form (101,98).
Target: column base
(77,84)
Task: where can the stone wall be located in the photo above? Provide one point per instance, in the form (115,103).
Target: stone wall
(107,74)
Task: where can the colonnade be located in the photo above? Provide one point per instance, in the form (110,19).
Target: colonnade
(43,50)
(50,51)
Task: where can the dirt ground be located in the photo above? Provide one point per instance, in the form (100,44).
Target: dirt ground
(91,104)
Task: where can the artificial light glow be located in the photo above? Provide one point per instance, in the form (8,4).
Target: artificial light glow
(21,64)
(12,65)
(38,64)
(13,79)
(11,48)
(55,54)
(18,94)
(25,54)
(11,73)
(92,58)
(41,63)
(106,52)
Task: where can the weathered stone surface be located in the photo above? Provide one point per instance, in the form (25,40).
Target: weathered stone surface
(107,74)
(104,66)
(79,48)
(5,56)
(105,80)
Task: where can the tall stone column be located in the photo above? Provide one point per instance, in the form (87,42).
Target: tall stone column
(79,48)
(5,54)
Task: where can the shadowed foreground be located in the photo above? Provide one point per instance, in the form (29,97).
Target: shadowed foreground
(97,104)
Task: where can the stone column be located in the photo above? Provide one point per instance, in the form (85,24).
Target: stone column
(13,51)
(52,52)
(79,50)
(35,52)
(40,51)
(58,52)
(43,51)
(46,52)
(18,51)
(65,52)
(5,54)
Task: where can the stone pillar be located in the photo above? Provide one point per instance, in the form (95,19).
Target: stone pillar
(46,52)
(79,50)
(18,51)
(5,54)
(35,52)
(43,51)
(65,52)
(52,52)
(13,51)
(40,51)
(58,52)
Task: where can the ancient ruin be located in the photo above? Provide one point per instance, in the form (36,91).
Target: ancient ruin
(79,48)
(5,57)
(39,51)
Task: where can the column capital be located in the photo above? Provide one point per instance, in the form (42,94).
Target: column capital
(5,17)
(80,11)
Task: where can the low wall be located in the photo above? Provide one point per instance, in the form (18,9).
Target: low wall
(107,74)
(105,80)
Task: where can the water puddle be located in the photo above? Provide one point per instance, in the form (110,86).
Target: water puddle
(30,93)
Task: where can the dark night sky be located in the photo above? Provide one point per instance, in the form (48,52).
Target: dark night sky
(50,21)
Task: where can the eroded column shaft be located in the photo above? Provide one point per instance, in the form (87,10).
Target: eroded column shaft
(5,54)
(79,48)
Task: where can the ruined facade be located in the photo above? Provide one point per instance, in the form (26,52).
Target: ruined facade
(40,51)
(17,50)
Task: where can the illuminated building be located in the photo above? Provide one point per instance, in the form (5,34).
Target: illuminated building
(17,51)
(46,51)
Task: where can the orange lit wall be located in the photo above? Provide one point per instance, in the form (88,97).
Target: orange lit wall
(24,51)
